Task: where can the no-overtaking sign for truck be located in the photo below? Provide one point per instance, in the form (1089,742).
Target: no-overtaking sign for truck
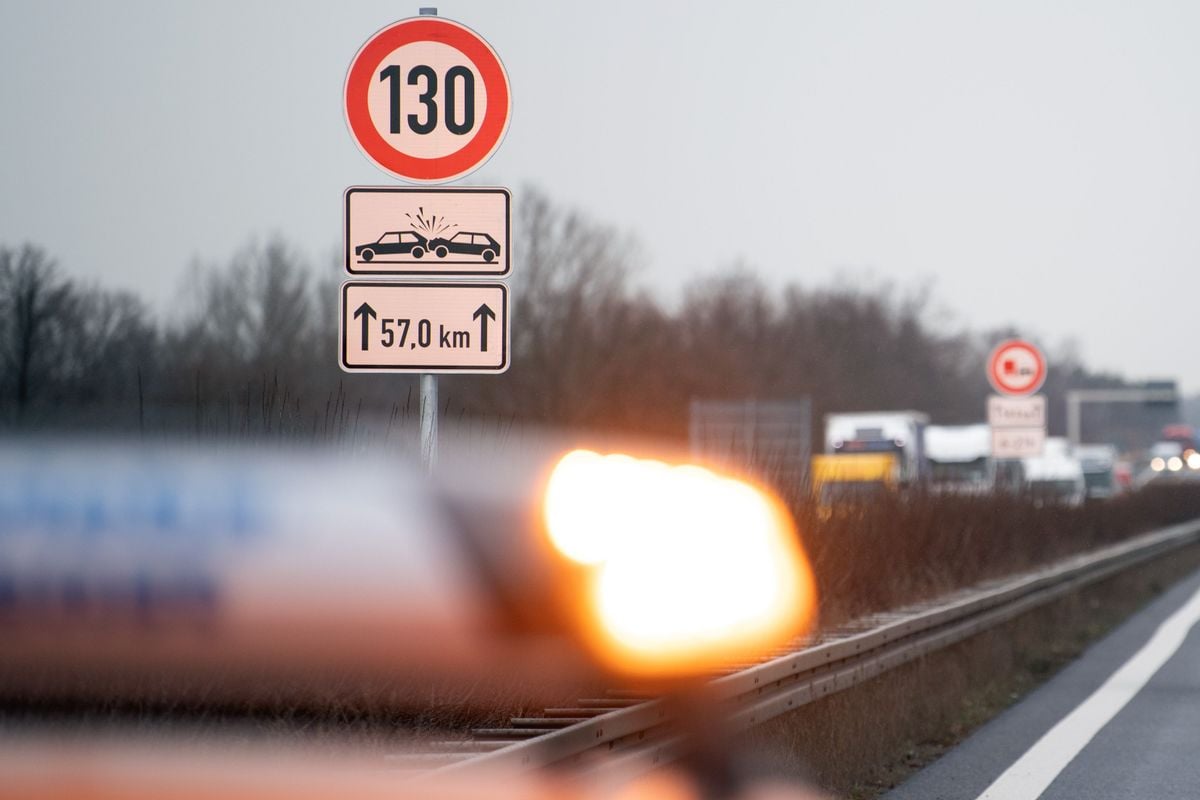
(1016,368)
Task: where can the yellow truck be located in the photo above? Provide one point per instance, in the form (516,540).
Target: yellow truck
(852,478)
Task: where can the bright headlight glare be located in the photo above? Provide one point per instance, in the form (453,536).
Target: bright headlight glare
(1157,464)
(1193,460)
(685,569)
(1175,463)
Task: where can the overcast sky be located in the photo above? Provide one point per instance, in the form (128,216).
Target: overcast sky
(1040,162)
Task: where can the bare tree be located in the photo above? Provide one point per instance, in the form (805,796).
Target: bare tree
(258,340)
(115,353)
(570,311)
(729,327)
(37,311)
(250,319)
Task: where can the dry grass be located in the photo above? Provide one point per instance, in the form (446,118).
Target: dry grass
(867,739)
(901,550)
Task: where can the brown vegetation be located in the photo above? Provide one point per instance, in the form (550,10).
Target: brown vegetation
(861,742)
(249,348)
(901,550)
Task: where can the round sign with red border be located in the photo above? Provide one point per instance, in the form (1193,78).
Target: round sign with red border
(1016,368)
(427,100)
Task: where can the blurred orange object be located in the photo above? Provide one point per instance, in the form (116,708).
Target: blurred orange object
(676,569)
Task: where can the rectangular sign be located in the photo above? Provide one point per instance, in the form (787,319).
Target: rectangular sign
(392,230)
(1018,442)
(424,327)
(1017,412)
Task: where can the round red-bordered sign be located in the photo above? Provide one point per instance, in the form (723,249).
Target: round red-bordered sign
(427,100)
(1016,368)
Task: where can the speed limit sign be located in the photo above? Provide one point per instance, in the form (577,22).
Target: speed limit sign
(427,100)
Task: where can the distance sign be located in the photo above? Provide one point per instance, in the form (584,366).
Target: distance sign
(424,327)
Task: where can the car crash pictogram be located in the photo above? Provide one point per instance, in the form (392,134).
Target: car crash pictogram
(395,231)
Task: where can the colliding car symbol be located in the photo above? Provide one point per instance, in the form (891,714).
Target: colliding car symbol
(394,243)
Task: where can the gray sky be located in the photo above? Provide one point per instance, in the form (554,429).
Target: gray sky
(1040,162)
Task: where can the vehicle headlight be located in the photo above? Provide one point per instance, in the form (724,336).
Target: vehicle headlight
(1157,464)
(1175,463)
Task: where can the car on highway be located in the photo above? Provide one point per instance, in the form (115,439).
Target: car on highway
(394,243)
(1099,463)
(960,458)
(1056,476)
(1171,457)
(467,243)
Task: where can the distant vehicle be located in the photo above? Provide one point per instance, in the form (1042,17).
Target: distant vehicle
(1185,435)
(852,478)
(901,433)
(1172,456)
(1056,476)
(394,243)
(467,243)
(960,458)
(1099,463)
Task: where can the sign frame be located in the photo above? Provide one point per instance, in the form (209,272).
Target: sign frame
(505,257)
(503,320)
(1005,411)
(998,434)
(490,69)
(995,378)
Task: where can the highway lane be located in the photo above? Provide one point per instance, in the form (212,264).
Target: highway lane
(1132,740)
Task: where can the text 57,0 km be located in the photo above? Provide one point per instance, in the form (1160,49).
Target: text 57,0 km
(395,332)
(424,327)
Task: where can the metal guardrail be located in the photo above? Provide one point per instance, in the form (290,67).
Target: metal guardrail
(639,737)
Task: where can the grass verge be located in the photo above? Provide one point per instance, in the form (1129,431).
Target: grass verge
(867,739)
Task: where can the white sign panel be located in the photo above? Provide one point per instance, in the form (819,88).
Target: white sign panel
(1018,442)
(404,231)
(1017,412)
(424,327)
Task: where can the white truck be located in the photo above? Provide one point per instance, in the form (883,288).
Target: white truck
(901,433)
(1057,474)
(1098,462)
(960,458)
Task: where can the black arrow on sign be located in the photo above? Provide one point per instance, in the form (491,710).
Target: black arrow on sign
(482,314)
(367,313)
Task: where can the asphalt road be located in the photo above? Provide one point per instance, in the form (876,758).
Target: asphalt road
(1123,721)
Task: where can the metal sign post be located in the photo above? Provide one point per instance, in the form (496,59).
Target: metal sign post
(429,420)
(429,394)
(427,100)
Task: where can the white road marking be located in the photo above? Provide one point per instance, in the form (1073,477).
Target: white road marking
(1033,772)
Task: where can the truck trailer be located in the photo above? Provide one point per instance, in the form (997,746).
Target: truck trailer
(899,433)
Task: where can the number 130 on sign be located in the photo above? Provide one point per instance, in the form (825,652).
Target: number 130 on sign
(427,100)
